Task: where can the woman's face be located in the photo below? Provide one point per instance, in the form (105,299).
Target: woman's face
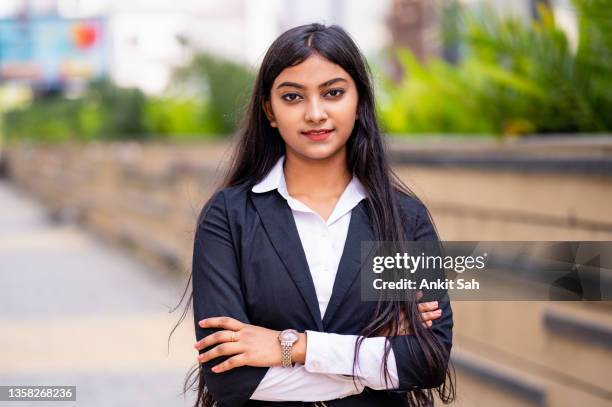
(314,95)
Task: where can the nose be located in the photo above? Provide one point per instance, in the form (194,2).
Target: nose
(315,112)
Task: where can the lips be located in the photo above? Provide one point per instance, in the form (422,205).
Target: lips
(318,134)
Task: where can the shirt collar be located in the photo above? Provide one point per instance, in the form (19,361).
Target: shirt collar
(275,179)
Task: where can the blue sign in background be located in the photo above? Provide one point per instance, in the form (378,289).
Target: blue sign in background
(51,50)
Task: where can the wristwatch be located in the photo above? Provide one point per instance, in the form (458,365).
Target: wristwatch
(287,338)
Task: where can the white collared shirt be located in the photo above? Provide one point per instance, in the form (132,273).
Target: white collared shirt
(328,356)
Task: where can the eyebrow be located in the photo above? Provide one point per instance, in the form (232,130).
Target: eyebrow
(324,84)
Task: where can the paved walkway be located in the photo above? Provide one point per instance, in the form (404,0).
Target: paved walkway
(75,311)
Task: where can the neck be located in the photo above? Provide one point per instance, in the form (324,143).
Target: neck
(312,178)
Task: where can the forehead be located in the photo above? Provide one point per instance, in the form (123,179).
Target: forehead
(313,71)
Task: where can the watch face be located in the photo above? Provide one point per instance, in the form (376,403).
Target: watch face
(288,335)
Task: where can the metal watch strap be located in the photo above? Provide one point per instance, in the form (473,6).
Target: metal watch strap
(286,354)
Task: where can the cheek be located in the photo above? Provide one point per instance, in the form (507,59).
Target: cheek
(344,110)
(343,115)
(288,118)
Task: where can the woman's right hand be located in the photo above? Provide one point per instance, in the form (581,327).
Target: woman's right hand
(428,311)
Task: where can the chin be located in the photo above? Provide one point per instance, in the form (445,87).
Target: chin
(320,152)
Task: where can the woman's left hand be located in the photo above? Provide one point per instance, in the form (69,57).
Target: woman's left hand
(251,346)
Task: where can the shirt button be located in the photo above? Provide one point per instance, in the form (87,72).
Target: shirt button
(315,364)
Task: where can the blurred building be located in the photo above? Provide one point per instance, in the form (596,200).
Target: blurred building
(416,24)
(139,43)
(151,37)
(42,48)
(62,43)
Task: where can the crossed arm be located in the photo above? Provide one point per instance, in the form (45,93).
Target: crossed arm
(323,360)
(255,354)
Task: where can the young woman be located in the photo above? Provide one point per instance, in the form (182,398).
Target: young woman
(276,293)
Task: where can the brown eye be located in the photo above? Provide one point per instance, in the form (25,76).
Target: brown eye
(335,92)
(293,96)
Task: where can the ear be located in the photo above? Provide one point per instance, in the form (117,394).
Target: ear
(267,108)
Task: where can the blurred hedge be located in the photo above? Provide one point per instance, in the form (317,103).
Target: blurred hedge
(105,111)
(225,84)
(514,77)
(204,99)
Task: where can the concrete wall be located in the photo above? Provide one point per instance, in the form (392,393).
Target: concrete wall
(146,198)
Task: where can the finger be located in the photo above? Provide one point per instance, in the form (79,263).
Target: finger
(426,316)
(428,306)
(217,337)
(224,349)
(222,322)
(234,361)
(405,330)
(427,324)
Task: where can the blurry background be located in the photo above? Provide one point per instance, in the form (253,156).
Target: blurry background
(116,120)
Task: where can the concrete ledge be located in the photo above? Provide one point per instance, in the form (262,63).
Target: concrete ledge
(586,155)
(3,165)
(578,330)
(517,216)
(518,387)
(595,166)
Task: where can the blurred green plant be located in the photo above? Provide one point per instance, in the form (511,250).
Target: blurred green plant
(48,120)
(225,86)
(205,98)
(514,78)
(119,111)
(179,118)
(105,111)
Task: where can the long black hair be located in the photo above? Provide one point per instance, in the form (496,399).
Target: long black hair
(260,145)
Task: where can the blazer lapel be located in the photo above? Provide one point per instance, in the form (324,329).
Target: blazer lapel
(280,226)
(350,262)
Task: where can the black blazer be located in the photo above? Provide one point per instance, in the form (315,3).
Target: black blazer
(249,264)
